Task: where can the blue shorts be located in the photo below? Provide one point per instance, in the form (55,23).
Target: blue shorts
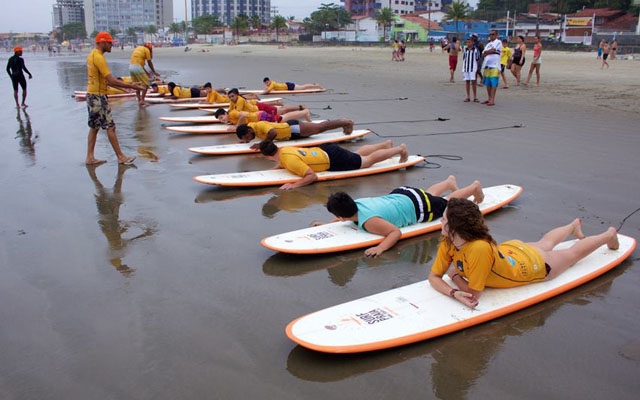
(291,85)
(491,76)
(341,159)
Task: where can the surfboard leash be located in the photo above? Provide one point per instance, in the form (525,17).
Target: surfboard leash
(433,165)
(434,133)
(626,218)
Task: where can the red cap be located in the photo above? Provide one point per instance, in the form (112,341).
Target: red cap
(103,37)
(148,45)
(17,49)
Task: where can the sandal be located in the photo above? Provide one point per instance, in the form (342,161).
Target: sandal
(476,101)
(466,100)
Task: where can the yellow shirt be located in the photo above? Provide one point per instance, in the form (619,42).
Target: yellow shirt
(277,86)
(484,264)
(249,117)
(140,55)
(262,128)
(505,55)
(97,72)
(243,105)
(215,97)
(299,160)
(182,92)
(163,89)
(112,90)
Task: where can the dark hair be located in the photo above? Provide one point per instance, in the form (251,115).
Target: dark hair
(342,205)
(268,148)
(207,85)
(241,130)
(521,37)
(219,112)
(153,84)
(171,86)
(454,39)
(266,79)
(465,220)
(234,90)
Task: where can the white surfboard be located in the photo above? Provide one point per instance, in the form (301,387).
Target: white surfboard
(417,312)
(245,148)
(195,119)
(272,177)
(343,236)
(298,91)
(217,105)
(207,128)
(170,100)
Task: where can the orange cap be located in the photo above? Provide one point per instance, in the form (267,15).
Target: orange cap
(17,49)
(148,45)
(103,37)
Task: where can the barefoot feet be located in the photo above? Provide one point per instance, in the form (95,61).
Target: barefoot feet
(94,161)
(577,228)
(348,128)
(613,243)
(125,160)
(404,154)
(478,194)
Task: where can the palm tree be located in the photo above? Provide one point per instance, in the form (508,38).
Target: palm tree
(457,11)
(385,17)
(255,22)
(151,30)
(279,22)
(175,28)
(240,23)
(131,33)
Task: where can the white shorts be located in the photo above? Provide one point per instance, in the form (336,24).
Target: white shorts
(469,76)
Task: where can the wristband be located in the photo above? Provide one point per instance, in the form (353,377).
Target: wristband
(452,293)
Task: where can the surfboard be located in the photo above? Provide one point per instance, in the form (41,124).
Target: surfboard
(245,148)
(417,312)
(207,128)
(168,100)
(299,91)
(194,119)
(82,95)
(217,105)
(344,236)
(272,177)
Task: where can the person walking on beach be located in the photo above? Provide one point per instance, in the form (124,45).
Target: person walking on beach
(452,48)
(473,260)
(470,59)
(139,56)
(505,61)
(599,57)
(614,48)
(518,58)
(404,206)
(99,79)
(305,162)
(605,54)
(491,55)
(15,68)
(537,61)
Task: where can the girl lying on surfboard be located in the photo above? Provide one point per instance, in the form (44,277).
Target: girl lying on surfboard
(404,206)
(479,262)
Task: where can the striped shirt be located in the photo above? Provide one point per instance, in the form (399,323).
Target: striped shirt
(470,60)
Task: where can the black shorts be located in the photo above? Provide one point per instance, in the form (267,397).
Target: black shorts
(195,92)
(18,80)
(291,85)
(428,207)
(605,56)
(341,159)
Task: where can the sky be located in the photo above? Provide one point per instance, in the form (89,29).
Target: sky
(35,15)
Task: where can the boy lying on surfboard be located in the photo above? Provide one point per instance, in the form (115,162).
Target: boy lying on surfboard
(289,130)
(404,206)
(479,262)
(305,162)
(273,85)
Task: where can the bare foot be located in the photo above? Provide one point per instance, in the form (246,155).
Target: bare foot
(94,161)
(613,244)
(478,194)
(125,160)
(348,129)
(24,105)
(452,183)
(577,228)
(404,155)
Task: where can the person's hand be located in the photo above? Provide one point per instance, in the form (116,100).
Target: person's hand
(316,223)
(30,76)
(465,298)
(255,146)
(288,186)
(373,251)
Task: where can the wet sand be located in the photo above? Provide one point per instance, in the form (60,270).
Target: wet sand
(138,282)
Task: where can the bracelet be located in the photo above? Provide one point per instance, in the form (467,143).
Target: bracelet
(452,293)
(454,275)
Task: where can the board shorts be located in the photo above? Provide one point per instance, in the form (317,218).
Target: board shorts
(341,159)
(469,76)
(604,57)
(491,76)
(453,62)
(138,74)
(290,85)
(502,67)
(267,108)
(294,124)
(195,92)
(99,112)
(18,80)
(427,206)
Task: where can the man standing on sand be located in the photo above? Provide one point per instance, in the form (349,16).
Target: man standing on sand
(452,48)
(99,80)
(605,54)
(491,74)
(140,55)
(15,66)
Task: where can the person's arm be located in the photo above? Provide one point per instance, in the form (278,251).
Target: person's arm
(466,297)
(150,63)
(271,136)
(9,67)
(242,117)
(308,178)
(382,227)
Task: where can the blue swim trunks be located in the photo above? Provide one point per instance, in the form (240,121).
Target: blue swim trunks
(491,77)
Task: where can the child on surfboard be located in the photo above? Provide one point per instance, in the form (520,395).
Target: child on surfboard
(479,262)
(290,130)
(273,85)
(402,207)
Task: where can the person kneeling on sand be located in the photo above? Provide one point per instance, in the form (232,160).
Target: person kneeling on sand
(404,206)
(290,130)
(305,162)
(479,262)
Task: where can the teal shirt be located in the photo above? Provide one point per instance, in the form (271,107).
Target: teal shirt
(397,209)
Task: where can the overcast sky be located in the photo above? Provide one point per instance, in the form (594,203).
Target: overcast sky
(36,15)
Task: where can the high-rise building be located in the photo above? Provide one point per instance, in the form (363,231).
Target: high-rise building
(68,12)
(372,7)
(104,15)
(227,10)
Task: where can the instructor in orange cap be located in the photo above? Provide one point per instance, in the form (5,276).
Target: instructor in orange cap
(140,55)
(99,79)
(15,66)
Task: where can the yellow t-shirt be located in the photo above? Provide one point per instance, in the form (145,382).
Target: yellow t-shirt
(262,128)
(483,264)
(249,117)
(505,55)
(277,86)
(299,160)
(113,90)
(215,97)
(243,105)
(163,89)
(182,92)
(97,72)
(140,55)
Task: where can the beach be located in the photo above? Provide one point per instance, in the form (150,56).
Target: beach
(138,282)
